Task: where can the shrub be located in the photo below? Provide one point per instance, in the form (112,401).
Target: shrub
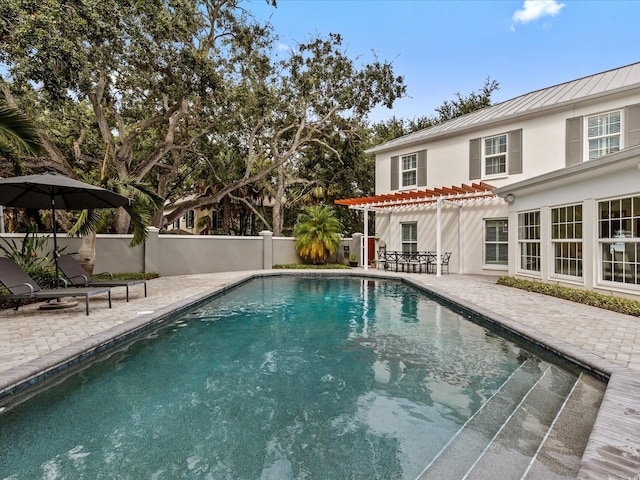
(586,297)
(317,234)
(311,267)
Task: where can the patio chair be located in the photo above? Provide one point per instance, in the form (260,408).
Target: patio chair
(22,286)
(427,259)
(444,263)
(77,276)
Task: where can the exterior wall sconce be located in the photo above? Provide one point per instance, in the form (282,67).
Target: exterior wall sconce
(510,198)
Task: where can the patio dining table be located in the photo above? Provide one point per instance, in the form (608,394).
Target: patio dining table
(415,262)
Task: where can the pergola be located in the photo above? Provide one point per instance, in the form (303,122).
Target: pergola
(419,198)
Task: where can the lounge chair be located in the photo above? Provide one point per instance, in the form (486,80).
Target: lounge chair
(21,286)
(78,276)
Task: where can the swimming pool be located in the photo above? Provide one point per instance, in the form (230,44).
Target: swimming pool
(278,378)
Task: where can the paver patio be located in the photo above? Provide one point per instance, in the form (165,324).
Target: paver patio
(32,341)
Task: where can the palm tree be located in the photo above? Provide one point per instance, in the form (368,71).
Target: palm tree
(18,137)
(317,234)
(144,201)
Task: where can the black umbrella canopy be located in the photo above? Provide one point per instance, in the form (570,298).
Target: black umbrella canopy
(52,190)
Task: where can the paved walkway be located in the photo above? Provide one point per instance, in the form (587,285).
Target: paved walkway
(33,341)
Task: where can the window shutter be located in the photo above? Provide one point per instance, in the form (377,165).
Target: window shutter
(395,173)
(422,168)
(515,151)
(574,141)
(475,158)
(632,125)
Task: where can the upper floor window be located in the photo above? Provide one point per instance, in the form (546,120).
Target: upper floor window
(603,134)
(495,155)
(409,170)
(594,136)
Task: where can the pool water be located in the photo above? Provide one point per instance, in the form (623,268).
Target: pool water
(280,378)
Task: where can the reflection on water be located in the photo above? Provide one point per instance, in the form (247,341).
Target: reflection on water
(280,378)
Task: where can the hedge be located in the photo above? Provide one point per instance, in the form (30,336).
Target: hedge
(586,297)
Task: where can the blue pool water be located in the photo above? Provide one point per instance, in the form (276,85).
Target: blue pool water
(307,378)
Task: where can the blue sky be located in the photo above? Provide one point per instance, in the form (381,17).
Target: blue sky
(444,47)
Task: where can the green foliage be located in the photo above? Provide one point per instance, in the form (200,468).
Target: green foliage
(305,266)
(29,255)
(18,137)
(462,105)
(317,234)
(130,276)
(29,252)
(586,297)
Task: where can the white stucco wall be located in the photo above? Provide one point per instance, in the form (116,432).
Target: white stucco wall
(586,189)
(543,147)
(466,243)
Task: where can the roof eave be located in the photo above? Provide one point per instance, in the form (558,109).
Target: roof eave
(546,180)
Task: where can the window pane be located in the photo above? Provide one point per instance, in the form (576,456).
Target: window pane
(603,133)
(496,246)
(619,218)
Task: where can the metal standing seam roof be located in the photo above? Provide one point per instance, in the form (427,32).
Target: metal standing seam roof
(600,84)
(396,200)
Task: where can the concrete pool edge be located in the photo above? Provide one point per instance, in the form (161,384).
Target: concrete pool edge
(613,450)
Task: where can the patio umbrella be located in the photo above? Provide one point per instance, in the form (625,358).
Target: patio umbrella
(53,191)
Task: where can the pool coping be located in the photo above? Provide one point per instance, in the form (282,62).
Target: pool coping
(613,448)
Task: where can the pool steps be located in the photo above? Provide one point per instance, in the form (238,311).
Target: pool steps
(513,435)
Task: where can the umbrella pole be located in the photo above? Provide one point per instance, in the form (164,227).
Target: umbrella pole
(55,239)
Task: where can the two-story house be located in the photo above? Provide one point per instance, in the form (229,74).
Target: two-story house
(545,185)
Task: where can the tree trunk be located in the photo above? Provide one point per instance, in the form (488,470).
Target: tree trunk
(122,221)
(226,216)
(87,252)
(278,206)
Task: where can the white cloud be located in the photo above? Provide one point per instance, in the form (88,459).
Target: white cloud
(535,9)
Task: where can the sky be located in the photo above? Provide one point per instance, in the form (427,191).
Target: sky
(445,47)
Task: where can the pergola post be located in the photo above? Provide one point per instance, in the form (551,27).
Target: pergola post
(439,237)
(365,260)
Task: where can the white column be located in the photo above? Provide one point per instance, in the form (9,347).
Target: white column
(439,237)
(460,239)
(365,260)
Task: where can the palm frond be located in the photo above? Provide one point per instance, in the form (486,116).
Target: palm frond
(16,130)
(90,221)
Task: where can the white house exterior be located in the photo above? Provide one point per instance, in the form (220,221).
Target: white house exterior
(555,129)
(580,225)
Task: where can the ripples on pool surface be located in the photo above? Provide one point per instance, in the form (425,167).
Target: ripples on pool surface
(308,378)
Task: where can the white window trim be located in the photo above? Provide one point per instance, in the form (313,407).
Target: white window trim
(493,266)
(612,285)
(408,242)
(519,242)
(585,146)
(577,279)
(484,158)
(401,171)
